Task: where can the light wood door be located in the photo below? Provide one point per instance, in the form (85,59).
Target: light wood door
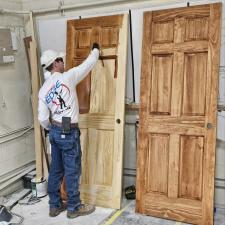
(177,132)
(102,128)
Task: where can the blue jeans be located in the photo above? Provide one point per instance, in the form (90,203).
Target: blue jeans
(66,161)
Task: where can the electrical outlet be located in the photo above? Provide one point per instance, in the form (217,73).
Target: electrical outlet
(8,58)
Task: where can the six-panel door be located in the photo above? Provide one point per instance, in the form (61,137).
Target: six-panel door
(177,132)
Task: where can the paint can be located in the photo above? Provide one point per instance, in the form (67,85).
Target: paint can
(39,187)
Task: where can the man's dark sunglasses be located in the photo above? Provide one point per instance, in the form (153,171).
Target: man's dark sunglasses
(60,59)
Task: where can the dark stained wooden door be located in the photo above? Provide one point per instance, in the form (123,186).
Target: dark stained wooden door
(177,132)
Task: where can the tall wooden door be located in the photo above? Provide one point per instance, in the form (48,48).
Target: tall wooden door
(102,118)
(177,133)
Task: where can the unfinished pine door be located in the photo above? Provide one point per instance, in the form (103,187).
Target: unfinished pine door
(177,132)
(102,118)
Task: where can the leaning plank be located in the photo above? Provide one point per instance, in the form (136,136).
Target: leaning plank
(27,41)
(35,90)
(45,159)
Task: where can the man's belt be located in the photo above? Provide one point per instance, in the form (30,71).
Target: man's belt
(58,124)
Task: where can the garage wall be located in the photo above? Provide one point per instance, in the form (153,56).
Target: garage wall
(16,134)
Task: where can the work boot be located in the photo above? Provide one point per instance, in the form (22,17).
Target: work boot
(53,212)
(84,209)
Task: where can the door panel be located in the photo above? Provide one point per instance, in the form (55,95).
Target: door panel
(162,68)
(191,163)
(163,37)
(84,90)
(196,29)
(102,155)
(101,134)
(157,158)
(103,88)
(195,69)
(176,149)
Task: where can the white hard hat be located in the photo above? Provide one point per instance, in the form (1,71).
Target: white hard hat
(49,56)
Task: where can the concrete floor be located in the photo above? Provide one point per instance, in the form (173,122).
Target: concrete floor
(37,214)
(129,217)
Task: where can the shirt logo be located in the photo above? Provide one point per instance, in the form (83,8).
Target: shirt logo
(51,93)
(58,94)
(61,101)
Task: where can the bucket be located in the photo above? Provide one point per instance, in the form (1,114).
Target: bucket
(39,187)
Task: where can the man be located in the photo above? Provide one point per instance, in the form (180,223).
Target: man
(58,101)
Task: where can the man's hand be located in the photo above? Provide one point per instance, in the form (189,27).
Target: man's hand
(95,45)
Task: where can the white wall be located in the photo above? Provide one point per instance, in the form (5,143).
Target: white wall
(15,104)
